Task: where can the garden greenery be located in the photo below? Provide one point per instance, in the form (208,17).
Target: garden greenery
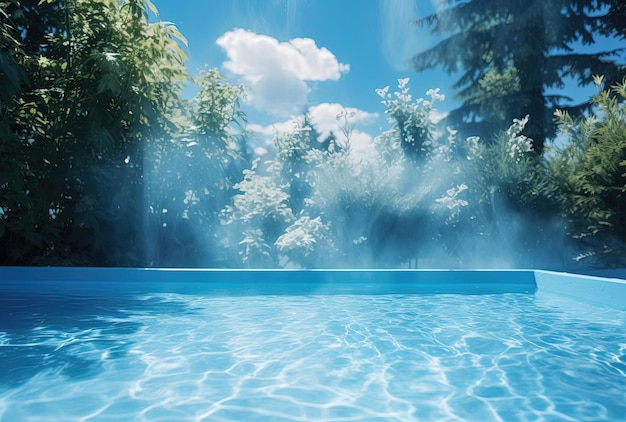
(590,177)
(417,197)
(508,57)
(103,162)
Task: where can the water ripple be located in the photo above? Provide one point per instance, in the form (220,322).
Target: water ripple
(333,358)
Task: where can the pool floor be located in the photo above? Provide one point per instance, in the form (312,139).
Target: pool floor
(388,357)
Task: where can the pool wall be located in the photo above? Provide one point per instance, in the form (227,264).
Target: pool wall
(589,289)
(283,281)
(600,291)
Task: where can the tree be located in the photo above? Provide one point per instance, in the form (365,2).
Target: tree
(99,83)
(590,175)
(613,25)
(191,176)
(509,53)
(511,215)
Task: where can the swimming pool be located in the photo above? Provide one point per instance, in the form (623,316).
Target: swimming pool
(113,344)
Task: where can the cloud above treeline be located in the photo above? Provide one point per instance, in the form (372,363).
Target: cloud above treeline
(334,118)
(277,72)
(327,118)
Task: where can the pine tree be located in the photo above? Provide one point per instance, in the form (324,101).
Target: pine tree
(509,53)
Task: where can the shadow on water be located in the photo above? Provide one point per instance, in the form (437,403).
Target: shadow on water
(70,335)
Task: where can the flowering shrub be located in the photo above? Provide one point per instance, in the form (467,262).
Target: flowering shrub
(518,144)
(260,212)
(452,201)
(419,196)
(412,120)
(306,243)
(511,213)
(507,165)
(261,199)
(373,209)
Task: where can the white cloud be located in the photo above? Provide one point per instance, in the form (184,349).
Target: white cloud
(342,121)
(436,116)
(277,72)
(275,128)
(328,118)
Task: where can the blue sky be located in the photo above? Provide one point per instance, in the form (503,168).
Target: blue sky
(299,54)
(318,55)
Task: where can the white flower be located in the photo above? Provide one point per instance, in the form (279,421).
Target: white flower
(435,95)
(518,144)
(451,200)
(111,57)
(473,147)
(359,240)
(382,92)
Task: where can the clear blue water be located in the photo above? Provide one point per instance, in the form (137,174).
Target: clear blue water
(389,357)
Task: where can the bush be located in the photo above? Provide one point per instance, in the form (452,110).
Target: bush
(590,173)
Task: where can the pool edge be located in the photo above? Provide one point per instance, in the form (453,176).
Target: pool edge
(327,281)
(601,291)
(594,290)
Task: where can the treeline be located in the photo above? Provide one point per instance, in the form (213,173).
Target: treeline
(512,58)
(103,162)
(423,198)
(97,143)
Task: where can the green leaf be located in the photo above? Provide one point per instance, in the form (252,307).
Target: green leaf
(152,7)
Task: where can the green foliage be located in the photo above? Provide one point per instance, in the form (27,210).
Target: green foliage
(491,99)
(345,207)
(12,75)
(508,53)
(216,108)
(270,200)
(192,175)
(590,173)
(411,119)
(99,82)
(512,212)
(103,163)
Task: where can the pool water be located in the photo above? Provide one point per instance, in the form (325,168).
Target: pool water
(169,356)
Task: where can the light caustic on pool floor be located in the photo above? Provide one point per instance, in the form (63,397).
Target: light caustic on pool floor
(304,358)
